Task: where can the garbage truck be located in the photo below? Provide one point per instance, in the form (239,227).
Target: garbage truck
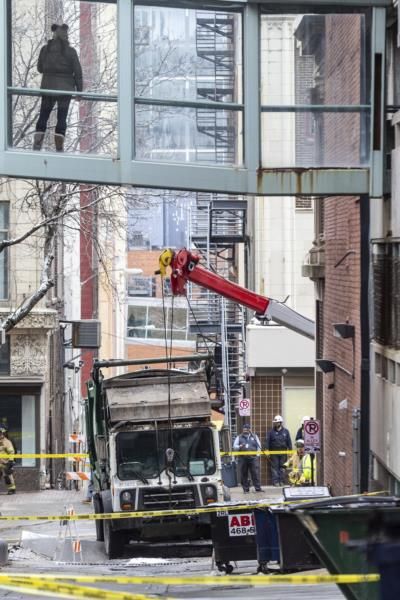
(153,447)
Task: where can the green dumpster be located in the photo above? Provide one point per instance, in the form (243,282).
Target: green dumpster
(338,531)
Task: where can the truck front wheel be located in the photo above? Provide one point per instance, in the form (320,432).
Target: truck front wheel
(112,541)
(98,509)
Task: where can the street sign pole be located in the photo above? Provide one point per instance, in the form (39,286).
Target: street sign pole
(312,456)
(312,443)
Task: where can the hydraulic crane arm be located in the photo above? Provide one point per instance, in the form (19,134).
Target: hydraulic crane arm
(185,267)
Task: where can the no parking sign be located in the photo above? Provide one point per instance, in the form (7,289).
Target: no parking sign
(245,407)
(312,436)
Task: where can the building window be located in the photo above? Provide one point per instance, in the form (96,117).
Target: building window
(148,322)
(304,203)
(18,414)
(391,371)
(378,363)
(5,357)
(141,286)
(4,224)
(384,367)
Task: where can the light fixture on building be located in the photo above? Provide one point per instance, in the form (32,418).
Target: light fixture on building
(343,330)
(324,365)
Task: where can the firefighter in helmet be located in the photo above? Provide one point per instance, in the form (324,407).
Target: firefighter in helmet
(7,463)
(299,466)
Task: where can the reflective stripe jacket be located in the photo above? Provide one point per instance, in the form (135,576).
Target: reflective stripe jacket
(6,447)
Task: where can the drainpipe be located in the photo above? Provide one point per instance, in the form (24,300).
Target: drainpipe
(364,343)
(356,450)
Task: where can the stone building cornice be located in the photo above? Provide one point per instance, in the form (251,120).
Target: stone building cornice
(40,319)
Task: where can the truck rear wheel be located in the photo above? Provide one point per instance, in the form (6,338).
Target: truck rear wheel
(112,541)
(98,509)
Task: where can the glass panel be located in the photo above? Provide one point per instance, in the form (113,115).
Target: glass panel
(28,432)
(42,57)
(186,54)
(158,218)
(315,139)
(5,356)
(155,325)
(138,456)
(4,224)
(188,135)
(141,286)
(179,324)
(92,126)
(137,320)
(4,216)
(314,59)
(10,409)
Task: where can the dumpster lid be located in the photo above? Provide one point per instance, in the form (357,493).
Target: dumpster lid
(306,492)
(349,502)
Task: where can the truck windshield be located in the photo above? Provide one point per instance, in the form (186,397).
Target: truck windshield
(137,453)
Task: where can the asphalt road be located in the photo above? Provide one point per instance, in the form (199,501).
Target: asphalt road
(45,547)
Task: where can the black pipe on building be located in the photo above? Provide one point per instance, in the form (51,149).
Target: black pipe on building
(364,342)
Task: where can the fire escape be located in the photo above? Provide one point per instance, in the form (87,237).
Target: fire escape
(218,221)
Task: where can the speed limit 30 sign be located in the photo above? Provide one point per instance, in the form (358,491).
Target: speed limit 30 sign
(312,436)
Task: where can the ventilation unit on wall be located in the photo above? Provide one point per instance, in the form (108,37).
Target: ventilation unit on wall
(86,334)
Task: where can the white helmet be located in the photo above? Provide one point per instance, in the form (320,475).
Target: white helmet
(305,419)
(278,419)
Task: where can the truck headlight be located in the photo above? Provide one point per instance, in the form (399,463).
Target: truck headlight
(127,500)
(209,494)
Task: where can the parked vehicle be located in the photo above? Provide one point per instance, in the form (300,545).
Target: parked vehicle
(152,447)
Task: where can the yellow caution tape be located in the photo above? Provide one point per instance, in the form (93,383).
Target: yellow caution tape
(135,515)
(85,455)
(31,585)
(257,452)
(256,580)
(67,455)
(222,509)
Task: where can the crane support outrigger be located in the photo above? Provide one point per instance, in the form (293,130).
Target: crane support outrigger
(185,267)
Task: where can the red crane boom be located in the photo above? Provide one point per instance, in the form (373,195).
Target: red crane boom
(185,267)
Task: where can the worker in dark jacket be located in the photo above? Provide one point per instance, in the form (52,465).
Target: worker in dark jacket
(248,442)
(300,431)
(61,70)
(278,438)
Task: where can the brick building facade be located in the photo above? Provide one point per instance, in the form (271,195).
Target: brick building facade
(341,304)
(339,237)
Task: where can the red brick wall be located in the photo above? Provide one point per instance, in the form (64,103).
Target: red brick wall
(151,351)
(342,86)
(341,301)
(87,229)
(266,401)
(147,260)
(341,304)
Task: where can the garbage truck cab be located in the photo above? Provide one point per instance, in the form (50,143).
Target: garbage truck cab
(153,447)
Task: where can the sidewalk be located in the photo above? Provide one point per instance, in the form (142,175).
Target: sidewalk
(44,502)
(269,493)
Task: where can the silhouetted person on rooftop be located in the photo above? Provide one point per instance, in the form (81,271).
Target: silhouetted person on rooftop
(61,70)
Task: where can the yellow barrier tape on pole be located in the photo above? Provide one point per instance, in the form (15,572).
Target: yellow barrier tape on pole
(35,585)
(255,580)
